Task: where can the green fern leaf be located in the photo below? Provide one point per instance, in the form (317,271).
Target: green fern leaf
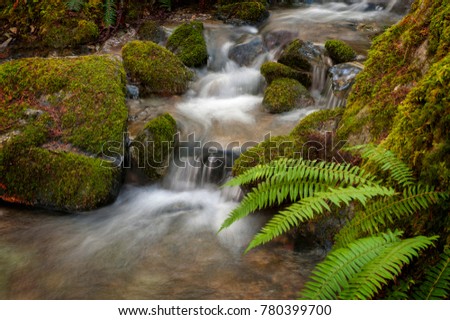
(110,12)
(437,280)
(387,161)
(383,212)
(385,267)
(334,273)
(74,5)
(308,208)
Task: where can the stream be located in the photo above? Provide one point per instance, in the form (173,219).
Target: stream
(160,241)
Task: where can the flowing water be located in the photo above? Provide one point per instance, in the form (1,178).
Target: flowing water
(160,241)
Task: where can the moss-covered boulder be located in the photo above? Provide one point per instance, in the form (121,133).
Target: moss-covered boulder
(286,94)
(274,70)
(312,138)
(61,119)
(339,51)
(188,43)
(151,31)
(247,12)
(301,55)
(155,69)
(152,147)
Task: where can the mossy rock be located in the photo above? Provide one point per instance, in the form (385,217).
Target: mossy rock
(155,68)
(188,43)
(62,119)
(151,31)
(248,12)
(310,139)
(73,34)
(152,147)
(300,55)
(339,51)
(273,70)
(397,61)
(285,94)
(421,129)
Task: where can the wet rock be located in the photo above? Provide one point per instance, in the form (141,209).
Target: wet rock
(151,149)
(285,94)
(132,92)
(245,53)
(274,70)
(343,76)
(278,39)
(301,55)
(240,13)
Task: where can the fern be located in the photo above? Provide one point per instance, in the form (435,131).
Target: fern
(292,179)
(381,213)
(166,4)
(387,162)
(75,5)
(359,270)
(309,207)
(436,284)
(110,13)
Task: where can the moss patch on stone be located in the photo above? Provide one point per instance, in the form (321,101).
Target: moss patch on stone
(155,68)
(188,43)
(292,56)
(57,116)
(397,61)
(285,94)
(339,51)
(153,146)
(310,139)
(273,70)
(250,12)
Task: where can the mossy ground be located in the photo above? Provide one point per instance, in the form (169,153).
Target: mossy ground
(52,159)
(285,94)
(155,68)
(188,43)
(154,145)
(273,70)
(339,51)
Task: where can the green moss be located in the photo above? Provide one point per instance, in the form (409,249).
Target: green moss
(339,51)
(151,31)
(421,128)
(273,70)
(188,43)
(50,159)
(306,140)
(62,36)
(247,12)
(157,69)
(153,146)
(395,64)
(292,56)
(285,94)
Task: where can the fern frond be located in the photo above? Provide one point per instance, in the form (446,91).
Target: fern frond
(437,280)
(308,208)
(387,161)
(267,194)
(385,267)
(74,5)
(290,170)
(334,273)
(381,213)
(110,13)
